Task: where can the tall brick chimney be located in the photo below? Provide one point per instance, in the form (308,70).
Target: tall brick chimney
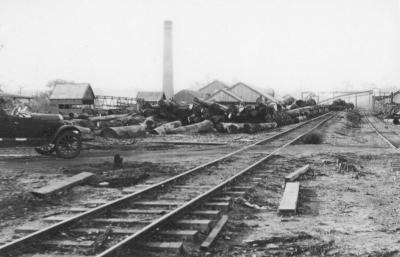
(168,83)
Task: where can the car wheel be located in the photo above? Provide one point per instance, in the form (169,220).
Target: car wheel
(68,144)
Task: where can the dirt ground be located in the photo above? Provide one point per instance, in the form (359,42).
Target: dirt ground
(354,213)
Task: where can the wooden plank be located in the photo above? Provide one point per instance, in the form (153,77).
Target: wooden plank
(256,179)
(53,255)
(57,218)
(130,190)
(221,199)
(68,243)
(207,213)
(118,231)
(296,174)
(64,184)
(288,204)
(218,205)
(95,202)
(214,233)
(185,234)
(193,187)
(187,143)
(233,193)
(176,247)
(241,188)
(121,221)
(78,209)
(160,203)
(140,211)
(27,229)
(202,225)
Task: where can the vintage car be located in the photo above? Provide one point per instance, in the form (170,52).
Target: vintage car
(49,132)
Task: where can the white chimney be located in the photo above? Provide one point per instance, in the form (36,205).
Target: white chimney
(168,83)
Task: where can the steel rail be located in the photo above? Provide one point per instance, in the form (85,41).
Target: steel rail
(113,251)
(102,208)
(381,135)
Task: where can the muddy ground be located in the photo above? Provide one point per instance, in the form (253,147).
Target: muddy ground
(354,213)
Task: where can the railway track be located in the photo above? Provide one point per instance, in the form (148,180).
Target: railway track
(381,135)
(111,228)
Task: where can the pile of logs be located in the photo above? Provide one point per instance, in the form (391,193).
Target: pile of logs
(169,117)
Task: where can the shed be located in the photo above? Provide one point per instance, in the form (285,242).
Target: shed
(186,96)
(250,94)
(211,88)
(223,96)
(71,98)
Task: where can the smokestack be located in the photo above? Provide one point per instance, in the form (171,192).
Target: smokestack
(168,86)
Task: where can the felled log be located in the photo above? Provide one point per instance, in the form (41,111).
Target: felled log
(83,123)
(109,117)
(132,120)
(201,127)
(211,105)
(231,128)
(165,128)
(256,127)
(124,132)
(288,100)
(86,133)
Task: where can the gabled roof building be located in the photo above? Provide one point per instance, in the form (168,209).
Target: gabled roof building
(211,88)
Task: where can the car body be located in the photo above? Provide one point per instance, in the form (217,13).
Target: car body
(49,132)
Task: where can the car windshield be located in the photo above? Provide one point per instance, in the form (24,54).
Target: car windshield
(21,111)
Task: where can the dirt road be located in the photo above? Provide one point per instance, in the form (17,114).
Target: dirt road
(354,213)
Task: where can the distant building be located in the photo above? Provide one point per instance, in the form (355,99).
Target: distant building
(14,96)
(250,94)
(211,88)
(149,97)
(186,96)
(71,98)
(223,96)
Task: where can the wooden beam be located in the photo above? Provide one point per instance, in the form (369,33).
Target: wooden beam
(296,174)
(61,185)
(140,211)
(185,234)
(288,204)
(157,203)
(120,221)
(214,233)
(218,205)
(206,213)
(233,193)
(118,231)
(202,225)
(187,143)
(69,243)
(176,247)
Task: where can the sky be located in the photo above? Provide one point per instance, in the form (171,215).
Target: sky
(116,45)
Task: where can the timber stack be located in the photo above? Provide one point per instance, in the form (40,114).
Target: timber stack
(169,117)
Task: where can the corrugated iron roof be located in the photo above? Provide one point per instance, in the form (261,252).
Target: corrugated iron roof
(224,91)
(150,96)
(216,84)
(72,91)
(265,95)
